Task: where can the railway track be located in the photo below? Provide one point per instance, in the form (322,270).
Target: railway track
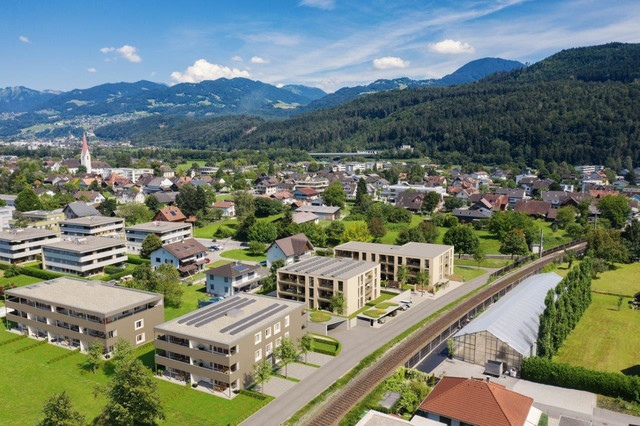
(340,403)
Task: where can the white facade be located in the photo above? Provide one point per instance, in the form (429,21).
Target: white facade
(168,232)
(22,245)
(6,214)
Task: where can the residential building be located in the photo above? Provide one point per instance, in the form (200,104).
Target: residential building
(228,208)
(323,212)
(170,214)
(168,232)
(290,249)
(131,195)
(97,226)
(391,192)
(127,172)
(10,199)
(232,278)
(513,194)
(304,217)
(6,216)
(187,256)
(536,208)
(436,258)
(305,194)
(74,313)
(44,219)
(411,201)
(83,256)
(79,209)
(24,245)
(462,401)
(217,346)
(315,280)
(377,418)
(508,330)
(92,197)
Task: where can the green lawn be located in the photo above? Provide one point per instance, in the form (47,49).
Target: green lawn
(187,164)
(383,297)
(242,254)
(468,272)
(486,263)
(18,281)
(31,380)
(624,280)
(320,316)
(192,293)
(209,230)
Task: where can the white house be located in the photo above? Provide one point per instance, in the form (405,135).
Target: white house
(228,208)
(232,278)
(187,256)
(289,249)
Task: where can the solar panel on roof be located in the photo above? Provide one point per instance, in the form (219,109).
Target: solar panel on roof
(258,319)
(214,317)
(239,268)
(208,309)
(249,318)
(213,312)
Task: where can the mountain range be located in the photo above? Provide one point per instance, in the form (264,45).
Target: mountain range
(207,98)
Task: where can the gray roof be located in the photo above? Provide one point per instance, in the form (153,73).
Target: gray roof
(92,220)
(230,319)
(412,249)
(84,244)
(26,233)
(158,226)
(93,296)
(318,209)
(514,319)
(334,267)
(82,209)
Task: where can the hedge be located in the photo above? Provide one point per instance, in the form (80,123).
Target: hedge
(137,260)
(615,385)
(63,356)
(253,394)
(33,272)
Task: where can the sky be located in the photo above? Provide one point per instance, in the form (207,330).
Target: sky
(67,44)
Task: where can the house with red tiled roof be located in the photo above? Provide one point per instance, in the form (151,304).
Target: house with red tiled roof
(305,194)
(479,402)
(228,208)
(170,214)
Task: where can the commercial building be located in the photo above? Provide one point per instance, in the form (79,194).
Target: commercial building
(232,278)
(168,232)
(216,347)
(24,245)
(83,256)
(93,226)
(437,258)
(44,219)
(73,312)
(316,279)
(507,332)
(187,256)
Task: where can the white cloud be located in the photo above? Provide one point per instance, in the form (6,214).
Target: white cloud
(203,70)
(92,69)
(388,62)
(320,4)
(451,47)
(259,60)
(129,53)
(279,85)
(24,39)
(237,58)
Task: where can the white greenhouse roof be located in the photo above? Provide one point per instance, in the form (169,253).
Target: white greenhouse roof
(515,318)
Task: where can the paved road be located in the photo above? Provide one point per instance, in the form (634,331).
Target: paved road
(226,244)
(356,343)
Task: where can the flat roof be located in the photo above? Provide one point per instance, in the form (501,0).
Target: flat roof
(409,249)
(158,226)
(92,296)
(318,209)
(92,220)
(83,244)
(334,267)
(40,213)
(230,319)
(26,233)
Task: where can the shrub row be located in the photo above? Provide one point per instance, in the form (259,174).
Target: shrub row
(616,385)
(253,394)
(35,345)
(39,273)
(63,356)
(137,260)
(14,339)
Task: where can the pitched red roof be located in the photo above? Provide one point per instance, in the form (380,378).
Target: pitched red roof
(307,191)
(170,214)
(477,402)
(533,207)
(223,204)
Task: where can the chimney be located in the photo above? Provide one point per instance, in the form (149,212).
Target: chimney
(488,379)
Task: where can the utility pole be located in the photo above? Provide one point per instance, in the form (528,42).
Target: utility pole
(540,253)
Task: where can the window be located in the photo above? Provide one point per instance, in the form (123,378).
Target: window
(268,349)
(267,332)
(286,321)
(140,338)
(226,280)
(139,324)
(276,328)
(278,341)
(257,338)
(258,355)
(158,260)
(286,335)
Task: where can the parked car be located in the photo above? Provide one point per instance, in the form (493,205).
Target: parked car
(244,244)
(263,263)
(207,260)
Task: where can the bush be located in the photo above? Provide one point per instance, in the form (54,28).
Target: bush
(253,394)
(39,273)
(137,260)
(12,271)
(615,385)
(111,269)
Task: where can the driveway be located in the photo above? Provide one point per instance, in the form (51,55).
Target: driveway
(226,244)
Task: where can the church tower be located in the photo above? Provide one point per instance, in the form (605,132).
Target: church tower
(85,157)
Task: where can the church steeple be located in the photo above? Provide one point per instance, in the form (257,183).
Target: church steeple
(85,156)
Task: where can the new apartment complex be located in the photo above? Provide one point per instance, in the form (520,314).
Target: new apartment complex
(24,245)
(316,279)
(437,258)
(95,226)
(83,256)
(73,312)
(217,346)
(168,232)
(44,219)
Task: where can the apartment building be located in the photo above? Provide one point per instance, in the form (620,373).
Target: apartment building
(227,280)
(72,312)
(6,216)
(316,279)
(168,232)
(93,226)
(437,258)
(24,245)
(83,256)
(44,219)
(216,347)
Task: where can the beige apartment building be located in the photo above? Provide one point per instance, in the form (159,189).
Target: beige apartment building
(93,226)
(217,346)
(44,219)
(437,258)
(83,256)
(24,245)
(316,279)
(72,312)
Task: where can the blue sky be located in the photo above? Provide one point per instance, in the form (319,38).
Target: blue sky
(324,43)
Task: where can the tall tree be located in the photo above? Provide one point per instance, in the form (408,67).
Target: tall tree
(286,352)
(187,199)
(152,203)
(376,228)
(262,372)
(361,192)
(134,213)
(514,243)
(305,343)
(94,356)
(334,195)
(462,238)
(108,207)
(631,238)
(58,411)
(431,201)
(615,208)
(479,256)
(27,200)
(150,244)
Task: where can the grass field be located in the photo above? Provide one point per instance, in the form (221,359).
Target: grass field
(18,281)
(606,338)
(187,164)
(383,297)
(209,230)
(320,316)
(242,254)
(190,297)
(486,263)
(468,272)
(31,380)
